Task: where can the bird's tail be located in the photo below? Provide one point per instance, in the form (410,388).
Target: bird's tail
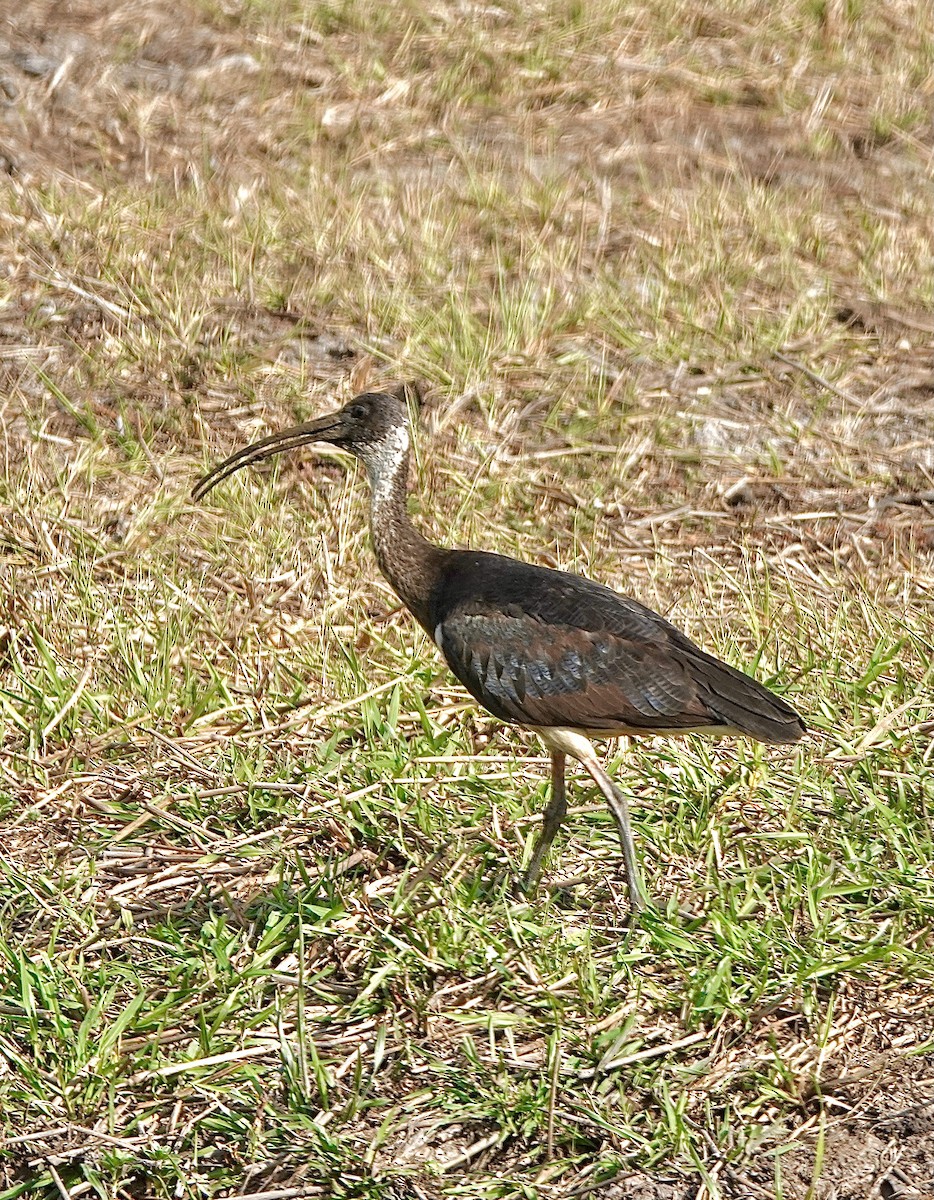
(744,704)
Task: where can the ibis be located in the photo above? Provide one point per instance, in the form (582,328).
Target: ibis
(548,650)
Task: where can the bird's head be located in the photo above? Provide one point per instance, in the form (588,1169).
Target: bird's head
(372,426)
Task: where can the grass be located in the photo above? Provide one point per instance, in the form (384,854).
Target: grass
(666,270)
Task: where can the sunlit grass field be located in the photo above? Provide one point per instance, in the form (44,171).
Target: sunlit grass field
(665,273)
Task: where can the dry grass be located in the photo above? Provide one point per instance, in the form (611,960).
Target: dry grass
(667,270)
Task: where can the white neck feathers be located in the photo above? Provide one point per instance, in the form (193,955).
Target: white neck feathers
(385,462)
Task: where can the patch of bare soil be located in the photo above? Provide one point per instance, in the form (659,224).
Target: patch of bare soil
(137,91)
(883,1146)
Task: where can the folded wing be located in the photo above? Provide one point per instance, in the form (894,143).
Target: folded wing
(575,654)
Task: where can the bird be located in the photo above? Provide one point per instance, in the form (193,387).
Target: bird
(540,648)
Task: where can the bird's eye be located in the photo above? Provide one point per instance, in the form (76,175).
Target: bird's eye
(358,411)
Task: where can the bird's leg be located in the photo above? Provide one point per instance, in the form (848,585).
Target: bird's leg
(551,821)
(619,807)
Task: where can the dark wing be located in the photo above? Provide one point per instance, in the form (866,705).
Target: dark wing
(546,648)
(549,675)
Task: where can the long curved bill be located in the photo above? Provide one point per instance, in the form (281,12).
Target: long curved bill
(276,443)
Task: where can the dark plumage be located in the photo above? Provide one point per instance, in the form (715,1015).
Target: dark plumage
(543,648)
(536,647)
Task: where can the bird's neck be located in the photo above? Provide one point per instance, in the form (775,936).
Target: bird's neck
(409,561)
